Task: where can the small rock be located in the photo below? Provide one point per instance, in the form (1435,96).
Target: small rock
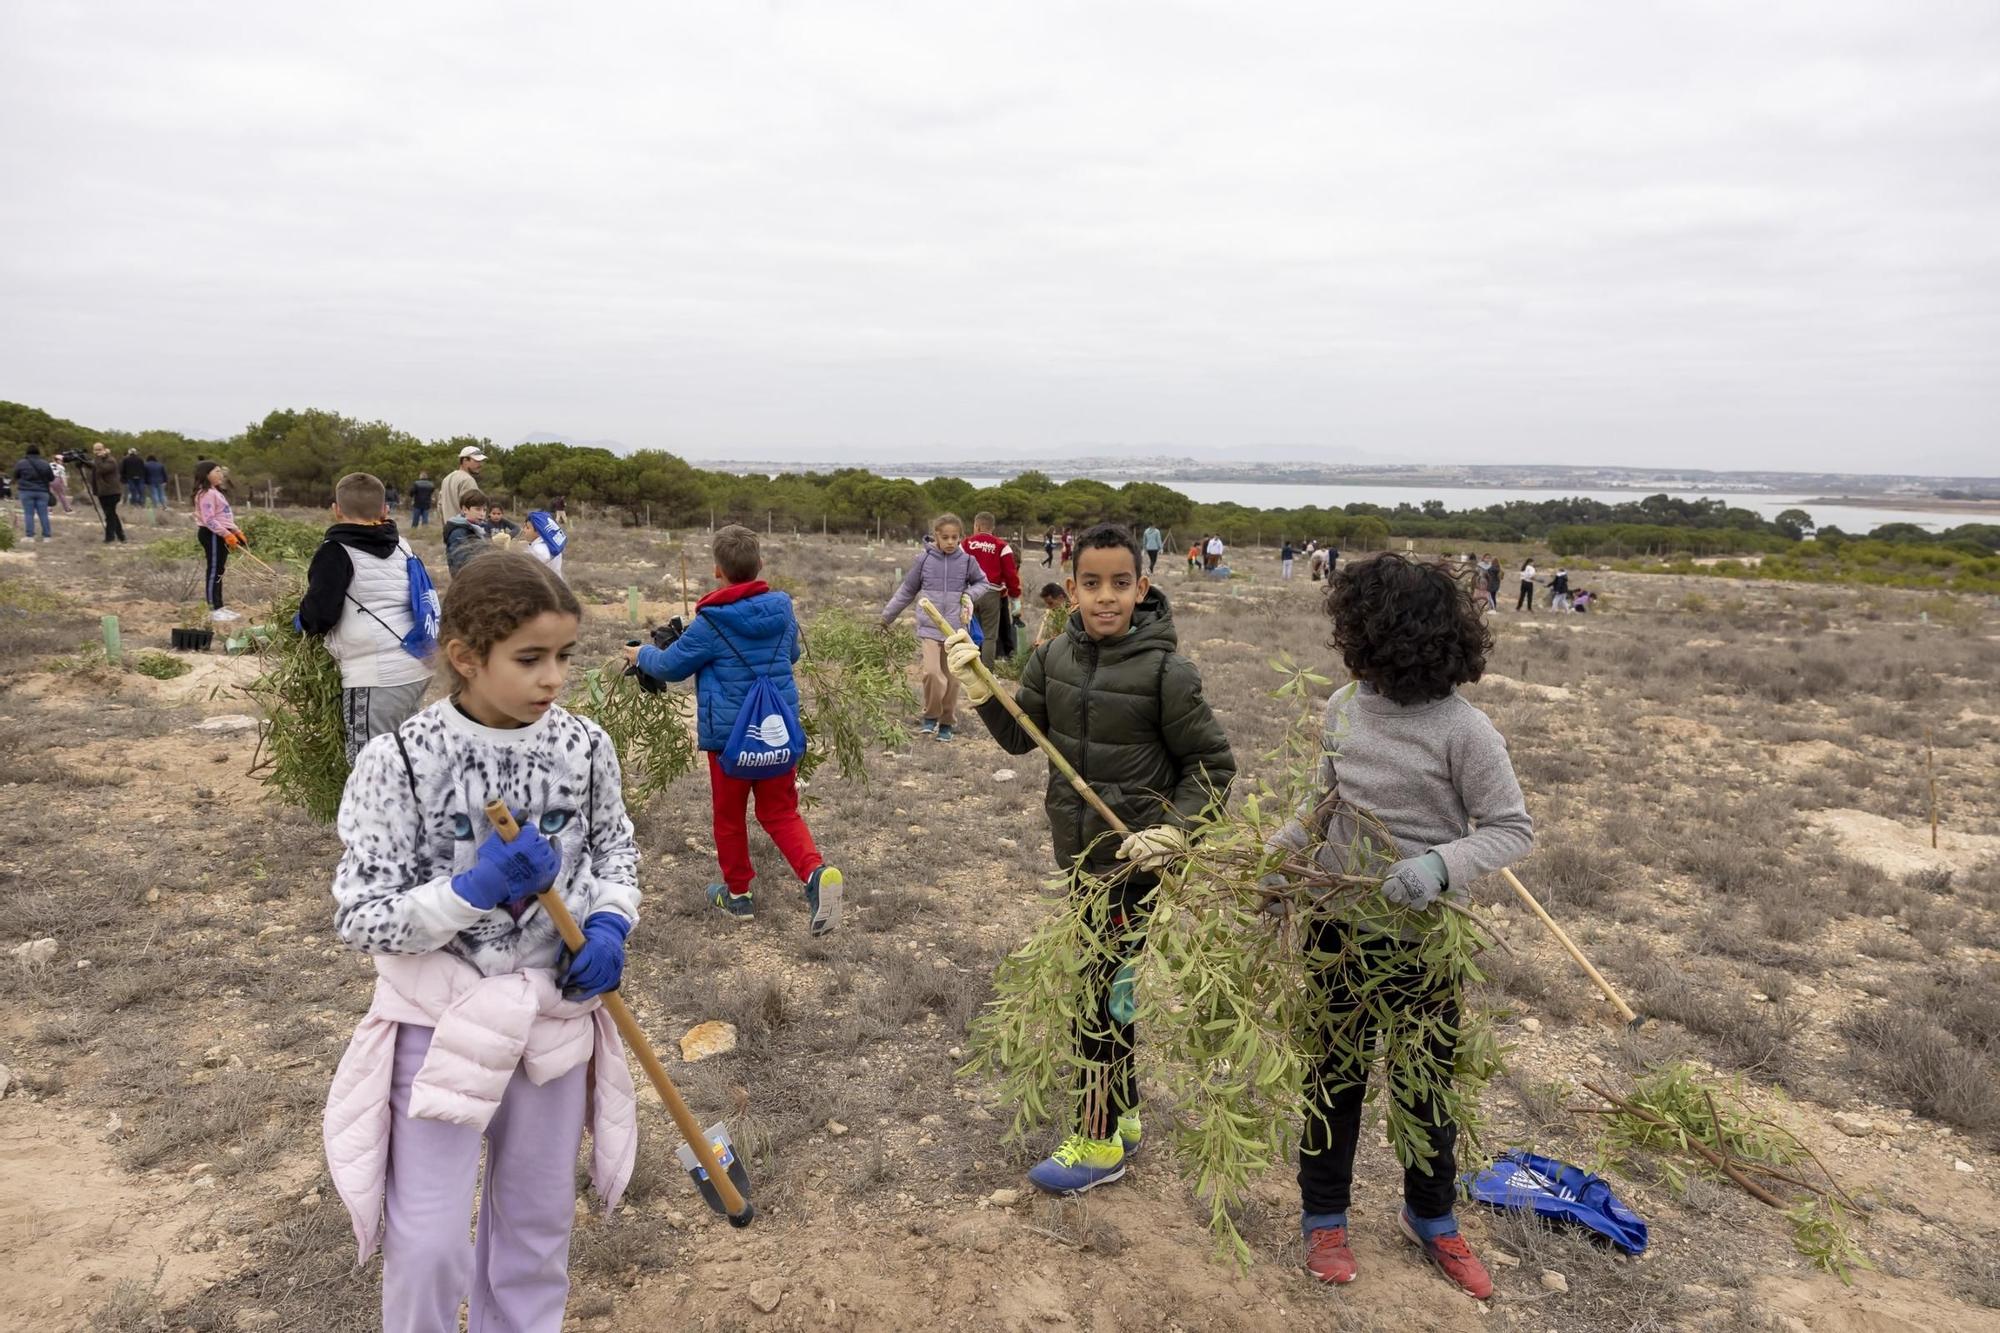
(1962,1166)
(153,894)
(83,965)
(215,1057)
(222,724)
(36,953)
(1504,1259)
(765,1293)
(835,1128)
(1554,1281)
(1760,997)
(1888,1129)
(1004,775)
(1852,1125)
(1107,1240)
(114,1124)
(1004,1198)
(6,1080)
(706,1039)
(1531,1025)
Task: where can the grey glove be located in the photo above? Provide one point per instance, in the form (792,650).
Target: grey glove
(1416,881)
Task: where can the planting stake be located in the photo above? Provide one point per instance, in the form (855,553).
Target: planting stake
(1569,945)
(114,652)
(686,610)
(632,602)
(725,1187)
(1930,770)
(1096,802)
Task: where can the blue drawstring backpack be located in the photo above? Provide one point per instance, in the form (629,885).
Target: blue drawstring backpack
(548,530)
(426,609)
(1523,1181)
(972,628)
(767,739)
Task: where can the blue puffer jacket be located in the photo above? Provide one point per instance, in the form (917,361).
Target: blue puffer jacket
(760,625)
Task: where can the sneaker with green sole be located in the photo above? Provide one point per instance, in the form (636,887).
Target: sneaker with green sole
(738,905)
(1079,1164)
(1130,1132)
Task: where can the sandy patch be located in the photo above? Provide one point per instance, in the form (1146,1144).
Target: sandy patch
(1678,728)
(1811,754)
(1551,693)
(1898,849)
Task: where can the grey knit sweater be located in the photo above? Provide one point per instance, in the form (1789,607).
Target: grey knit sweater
(1435,774)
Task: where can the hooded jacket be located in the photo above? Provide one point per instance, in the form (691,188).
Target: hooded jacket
(485,1027)
(33,475)
(944,579)
(358,596)
(739,633)
(464,539)
(1130,715)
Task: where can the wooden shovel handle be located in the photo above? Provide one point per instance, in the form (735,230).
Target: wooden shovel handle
(1562,938)
(1062,765)
(502,820)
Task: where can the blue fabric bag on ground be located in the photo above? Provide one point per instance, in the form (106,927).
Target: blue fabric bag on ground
(1559,1192)
(767,739)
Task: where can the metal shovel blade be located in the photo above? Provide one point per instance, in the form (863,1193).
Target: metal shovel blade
(725,1155)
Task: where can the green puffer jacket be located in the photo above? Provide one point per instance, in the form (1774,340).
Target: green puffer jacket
(1129,713)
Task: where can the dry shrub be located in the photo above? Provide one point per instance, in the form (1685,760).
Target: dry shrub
(1745,1034)
(1914,1056)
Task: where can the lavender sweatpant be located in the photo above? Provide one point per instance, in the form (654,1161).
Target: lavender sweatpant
(516,1273)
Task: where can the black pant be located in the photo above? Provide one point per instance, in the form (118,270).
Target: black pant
(217,551)
(1152,559)
(114,531)
(1112,1089)
(1326,1150)
(1048,556)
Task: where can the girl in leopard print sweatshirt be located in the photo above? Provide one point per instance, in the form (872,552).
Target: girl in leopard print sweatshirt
(424,874)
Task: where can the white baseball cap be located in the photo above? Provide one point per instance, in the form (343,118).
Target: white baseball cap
(471,451)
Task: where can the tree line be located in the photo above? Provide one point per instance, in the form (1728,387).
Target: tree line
(297,454)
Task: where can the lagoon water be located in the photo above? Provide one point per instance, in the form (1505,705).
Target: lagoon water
(1856,518)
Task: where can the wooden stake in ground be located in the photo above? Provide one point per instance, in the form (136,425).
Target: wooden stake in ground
(734,1206)
(1569,945)
(1930,771)
(686,609)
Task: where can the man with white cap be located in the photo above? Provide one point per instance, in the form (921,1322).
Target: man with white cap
(466,478)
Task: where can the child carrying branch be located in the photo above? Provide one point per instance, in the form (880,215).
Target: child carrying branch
(484,1030)
(953,581)
(1431,771)
(1127,711)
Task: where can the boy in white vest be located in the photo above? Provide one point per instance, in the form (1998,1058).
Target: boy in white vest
(358,596)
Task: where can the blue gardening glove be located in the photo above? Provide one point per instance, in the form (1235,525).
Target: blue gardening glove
(1416,882)
(505,870)
(601,961)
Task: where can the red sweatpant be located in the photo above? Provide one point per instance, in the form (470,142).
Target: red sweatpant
(777,810)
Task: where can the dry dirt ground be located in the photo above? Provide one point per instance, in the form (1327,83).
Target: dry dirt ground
(1729,786)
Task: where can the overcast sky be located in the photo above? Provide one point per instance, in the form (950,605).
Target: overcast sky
(1726,235)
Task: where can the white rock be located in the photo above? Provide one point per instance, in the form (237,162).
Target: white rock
(1760,997)
(706,1039)
(835,1128)
(1888,1129)
(765,1293)
(1004,1198)
(1554,1281)
(1852,1125)
(1504,1259)
(227,722)
(1962,1166)
(1531,1025)
(36,953)
(1004,775)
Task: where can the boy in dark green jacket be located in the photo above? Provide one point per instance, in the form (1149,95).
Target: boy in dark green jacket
(1127,712)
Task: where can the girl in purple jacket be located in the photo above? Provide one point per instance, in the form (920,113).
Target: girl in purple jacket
(951,578)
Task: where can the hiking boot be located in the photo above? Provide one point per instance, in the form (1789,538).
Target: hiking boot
(927,727)
(945,733)
(1079,1164)
(1453,1257)
(1130,1132)
(738,905)
(1328,1258)
(823,891)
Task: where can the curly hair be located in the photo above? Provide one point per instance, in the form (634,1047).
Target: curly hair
(495,595)
(1410,629)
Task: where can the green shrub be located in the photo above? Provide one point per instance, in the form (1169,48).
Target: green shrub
(160,666)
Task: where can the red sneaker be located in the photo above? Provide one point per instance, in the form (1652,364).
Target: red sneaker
(1328,1258)
(1454,1259)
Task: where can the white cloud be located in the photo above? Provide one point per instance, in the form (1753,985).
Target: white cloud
(1701,234)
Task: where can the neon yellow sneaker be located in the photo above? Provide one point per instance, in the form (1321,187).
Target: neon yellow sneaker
(1079,1164)
(1130,1132)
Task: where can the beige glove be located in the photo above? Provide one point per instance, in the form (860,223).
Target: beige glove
(1154,848)
(960,652)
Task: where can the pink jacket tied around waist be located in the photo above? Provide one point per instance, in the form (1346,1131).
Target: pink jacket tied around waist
(486,1027)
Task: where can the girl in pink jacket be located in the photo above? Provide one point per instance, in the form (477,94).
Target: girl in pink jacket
(483,1026)
(216,527)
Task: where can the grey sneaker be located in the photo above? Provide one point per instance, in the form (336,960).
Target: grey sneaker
(823,892)
(738,905)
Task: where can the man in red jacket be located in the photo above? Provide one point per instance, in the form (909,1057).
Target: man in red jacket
(997,562)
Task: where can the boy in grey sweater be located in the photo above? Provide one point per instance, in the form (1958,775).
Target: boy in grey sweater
(1426,767)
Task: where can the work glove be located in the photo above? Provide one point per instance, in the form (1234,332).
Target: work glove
(1278,906)
(599,964)
(234,539)
(960,652)
(1415,882)
(503,871)
(664,635)
(1154,848)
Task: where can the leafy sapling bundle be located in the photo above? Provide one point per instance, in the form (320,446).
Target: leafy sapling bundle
(301,745)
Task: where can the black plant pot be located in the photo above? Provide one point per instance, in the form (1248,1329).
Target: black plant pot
(193,640)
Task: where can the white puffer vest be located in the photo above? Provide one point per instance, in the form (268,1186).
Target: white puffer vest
(369,647)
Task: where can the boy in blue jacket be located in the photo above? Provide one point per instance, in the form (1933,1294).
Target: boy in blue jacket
(742,631)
